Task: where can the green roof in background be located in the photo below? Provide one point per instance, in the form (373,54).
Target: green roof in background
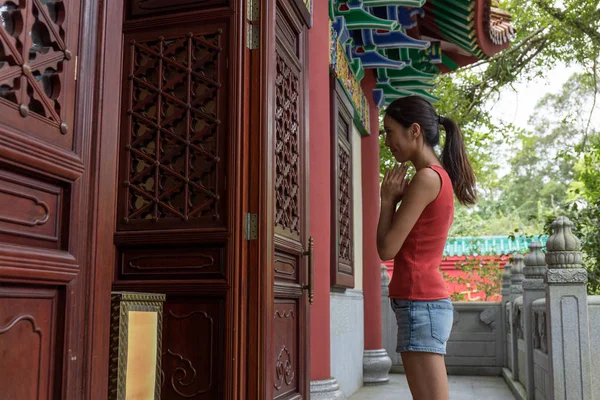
(490,245)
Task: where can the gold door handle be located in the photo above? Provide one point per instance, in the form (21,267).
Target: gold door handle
(311,270)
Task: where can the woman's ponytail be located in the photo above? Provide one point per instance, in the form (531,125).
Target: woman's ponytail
(456,163)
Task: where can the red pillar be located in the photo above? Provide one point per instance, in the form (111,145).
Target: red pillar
(370,193)
(320,188)
(376,362)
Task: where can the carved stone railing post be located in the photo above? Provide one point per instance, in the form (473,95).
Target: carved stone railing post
(566,301)
(533,289)
(516,293)
(516,277)
(505,315)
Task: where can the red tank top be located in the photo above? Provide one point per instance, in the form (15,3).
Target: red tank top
(416,266)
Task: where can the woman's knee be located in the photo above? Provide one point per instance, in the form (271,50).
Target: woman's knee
(426,373)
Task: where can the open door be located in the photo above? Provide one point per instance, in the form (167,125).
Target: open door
(282,298)
(182,166)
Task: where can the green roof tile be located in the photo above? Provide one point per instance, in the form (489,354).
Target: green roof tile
(490,245)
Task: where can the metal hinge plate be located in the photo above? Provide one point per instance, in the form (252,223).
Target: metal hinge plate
(251,226)
(253,37)
(253,10)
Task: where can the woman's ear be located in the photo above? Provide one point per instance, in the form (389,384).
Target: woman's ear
(415,130)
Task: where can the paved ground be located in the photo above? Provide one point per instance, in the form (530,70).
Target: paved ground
(461,388)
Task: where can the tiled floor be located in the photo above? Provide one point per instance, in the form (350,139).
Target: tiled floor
(461,388)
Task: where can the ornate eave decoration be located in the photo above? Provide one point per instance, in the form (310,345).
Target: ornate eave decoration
(409,42)
(349,77)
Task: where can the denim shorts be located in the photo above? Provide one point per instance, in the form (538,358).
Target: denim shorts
(423,325)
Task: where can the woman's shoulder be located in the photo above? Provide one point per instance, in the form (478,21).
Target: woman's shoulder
(428,176)
(427,180)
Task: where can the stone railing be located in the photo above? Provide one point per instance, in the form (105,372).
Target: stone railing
(541,371)
(548,338)
(543,336)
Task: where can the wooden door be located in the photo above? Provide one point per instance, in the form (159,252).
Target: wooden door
(45,141)
(285,266)
(181,169)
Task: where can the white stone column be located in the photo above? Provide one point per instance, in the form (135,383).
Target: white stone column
(327,389)
(566,302)
(533,289)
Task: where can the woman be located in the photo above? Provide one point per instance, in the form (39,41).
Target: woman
(415,235)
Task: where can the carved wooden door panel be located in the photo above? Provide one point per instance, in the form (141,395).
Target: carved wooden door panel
(292,246)
(179,216)
(342,258)
(43,207)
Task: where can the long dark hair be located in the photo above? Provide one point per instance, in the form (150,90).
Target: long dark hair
(414,109)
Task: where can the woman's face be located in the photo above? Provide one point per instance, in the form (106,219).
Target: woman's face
(399,139)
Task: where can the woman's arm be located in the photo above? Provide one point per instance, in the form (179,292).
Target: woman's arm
(393,229)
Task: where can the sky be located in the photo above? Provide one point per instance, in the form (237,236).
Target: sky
(516,106)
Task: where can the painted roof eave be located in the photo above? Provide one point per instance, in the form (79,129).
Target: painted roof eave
(478,27)
(408,42)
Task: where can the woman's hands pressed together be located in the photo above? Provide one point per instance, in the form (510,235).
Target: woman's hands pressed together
(394,184)
(394,226)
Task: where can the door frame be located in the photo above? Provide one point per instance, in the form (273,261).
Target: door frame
(103,192)
(261,202)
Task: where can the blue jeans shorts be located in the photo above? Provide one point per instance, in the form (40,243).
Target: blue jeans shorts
(423,325)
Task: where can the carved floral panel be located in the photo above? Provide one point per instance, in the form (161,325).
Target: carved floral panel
(345,204)
(38,44)
(287,148)
(173,166)
(193,349)
(285,364)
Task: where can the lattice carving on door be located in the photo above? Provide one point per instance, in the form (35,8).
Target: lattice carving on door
(287,148)
(33,62)
(173,136)
(344,197)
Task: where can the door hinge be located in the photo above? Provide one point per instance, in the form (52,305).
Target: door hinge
(251,226)
(76,59)
(253,10)
(252,27)
(252,36)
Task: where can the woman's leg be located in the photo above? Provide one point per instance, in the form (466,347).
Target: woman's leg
(426,375)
